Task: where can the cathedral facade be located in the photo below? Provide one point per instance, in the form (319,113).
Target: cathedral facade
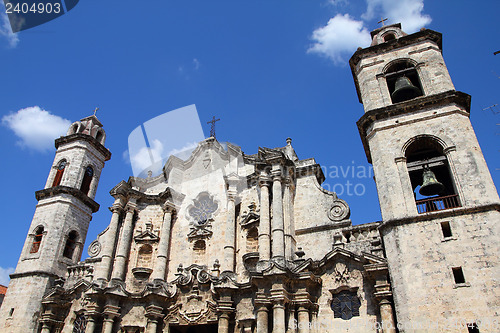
(228,242)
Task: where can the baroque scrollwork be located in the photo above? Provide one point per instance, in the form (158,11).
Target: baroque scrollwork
(339,210)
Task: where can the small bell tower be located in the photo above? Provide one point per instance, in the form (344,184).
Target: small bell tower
(440,208)
(59,227)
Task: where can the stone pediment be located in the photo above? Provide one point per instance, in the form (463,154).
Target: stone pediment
(146,236)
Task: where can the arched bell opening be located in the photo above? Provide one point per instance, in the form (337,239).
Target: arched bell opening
(431,180)
(403,81)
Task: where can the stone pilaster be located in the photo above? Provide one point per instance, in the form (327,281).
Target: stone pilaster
(91,314)
(107,253)
(229,247)
(277,232)
(223,323)
(160,266)
(110,313)
(224,308)
(292,324)
(154,315)
(288,220)
(386,315)
(303,319)
(279,316)
(265,220)
(124,242)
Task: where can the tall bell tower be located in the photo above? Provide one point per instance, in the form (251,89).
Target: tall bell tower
(59,227)
(440,208)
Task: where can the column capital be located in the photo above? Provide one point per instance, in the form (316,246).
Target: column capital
(169,207)
(131,207)
(154,312)
(264,181)
(277,175)
(111,311)
(116,208)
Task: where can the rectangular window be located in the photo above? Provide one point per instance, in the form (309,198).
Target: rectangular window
(445,227)
(458,275)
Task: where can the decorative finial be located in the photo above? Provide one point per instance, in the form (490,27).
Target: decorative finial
(212,129)
(95,110)
(288,141)
(382,20)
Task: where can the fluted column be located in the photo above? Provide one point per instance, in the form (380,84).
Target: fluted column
(303,319)
(109,245)
(161,262)
(262,319)
(229,248)
(265,221)
(388,325)
(287,220)
(124,243)
(277,233)
(279,317)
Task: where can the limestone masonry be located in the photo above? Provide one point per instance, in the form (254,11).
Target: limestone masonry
(228,242)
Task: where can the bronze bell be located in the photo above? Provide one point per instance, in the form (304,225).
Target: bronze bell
(404,90)
(430,185)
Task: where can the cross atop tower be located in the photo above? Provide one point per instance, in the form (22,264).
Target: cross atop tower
(212,129)
(95,111)
(382,20)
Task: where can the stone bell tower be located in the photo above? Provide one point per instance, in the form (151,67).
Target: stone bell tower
(59,227)
(440,208)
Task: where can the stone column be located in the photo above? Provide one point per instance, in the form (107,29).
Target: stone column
(278,240)
(45,328)
(154,314)
(223,323)
(386,315)
(124,243)
(110,312)
(279,317)
(161,262)
(262,319)
(303,319)
(229,248)
(265,221)
(287,220)
(109,245)
(90,327)
(314,321)
(292,324)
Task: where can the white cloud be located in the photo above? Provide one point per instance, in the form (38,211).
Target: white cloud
(36,128)
(148,158)
(342,35)
(4,275)
(5,29)
(407,12)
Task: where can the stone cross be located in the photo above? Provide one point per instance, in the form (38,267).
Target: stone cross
(95,110)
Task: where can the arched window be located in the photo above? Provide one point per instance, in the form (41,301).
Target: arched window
(430,176)
(59,173)
(144,256)
(37,240)
(253,240)
(87,179)
(70,246)
(403,81)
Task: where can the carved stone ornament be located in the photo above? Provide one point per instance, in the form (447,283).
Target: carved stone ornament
(342,273)
(250,218)
(94,249)
(339,210)
(201,213)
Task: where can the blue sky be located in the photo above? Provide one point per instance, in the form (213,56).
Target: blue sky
(269,69)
